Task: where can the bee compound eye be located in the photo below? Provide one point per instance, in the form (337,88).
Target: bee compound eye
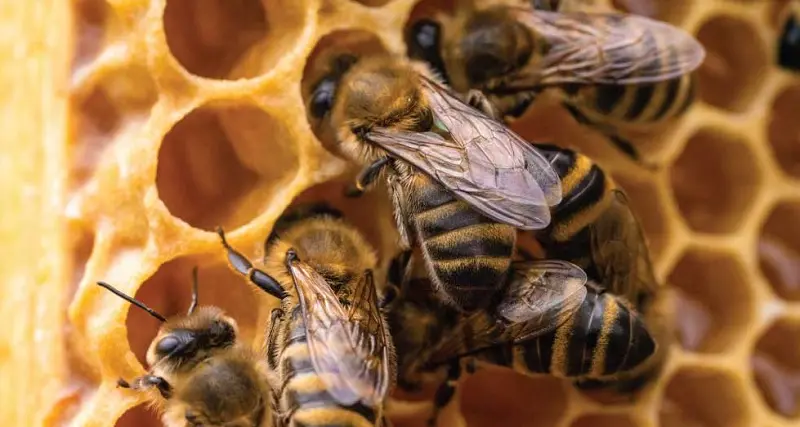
(322,98)
(425,36)
(167,345)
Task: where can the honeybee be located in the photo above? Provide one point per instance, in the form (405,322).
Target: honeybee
(461,183)
(613,72)
(550,320)
(595,228)
(789,50)
(329,353)
(199,374)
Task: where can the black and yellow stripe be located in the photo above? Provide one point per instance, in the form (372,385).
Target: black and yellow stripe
(603,339)
(467,254)
(302,398)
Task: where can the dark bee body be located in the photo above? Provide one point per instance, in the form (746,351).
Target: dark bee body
(199,374)
(393,119)
(616,73)
(596,338)
(789,45)
(595,228)
(329,357)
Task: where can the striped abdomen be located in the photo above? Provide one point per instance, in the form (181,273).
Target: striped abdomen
(467,254)
(302,398)
(618,106)
(602,339)
(585,188)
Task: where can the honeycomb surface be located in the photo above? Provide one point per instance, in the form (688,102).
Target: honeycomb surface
(187,114)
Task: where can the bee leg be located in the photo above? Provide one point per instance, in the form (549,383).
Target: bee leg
(242,265)
(445,392)
(366,177)
(477,100)
(146,381)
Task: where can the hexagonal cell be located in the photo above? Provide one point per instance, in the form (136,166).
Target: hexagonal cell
(714,300)
(673,12)
(702,397)
(81,245)
(776,367)
(501,397)
(118,103)
(784,131)
(208,37)
(715,180)
(779,250)
(90,23)
(735,65)
(609,420)
(138,416)
(647,205)
(320,63)
(169,292)
(211,174)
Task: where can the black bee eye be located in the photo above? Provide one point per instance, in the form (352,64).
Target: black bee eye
(167,345)
(424,39)
(322,97)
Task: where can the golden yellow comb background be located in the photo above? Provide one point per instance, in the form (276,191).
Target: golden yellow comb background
(133,128)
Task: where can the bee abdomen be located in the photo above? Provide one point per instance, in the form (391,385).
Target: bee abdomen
(306,399)
(628,343)
(475,279)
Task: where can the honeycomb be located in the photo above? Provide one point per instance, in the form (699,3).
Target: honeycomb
(169,117)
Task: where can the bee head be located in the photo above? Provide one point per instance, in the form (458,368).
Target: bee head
(184,341)
(493,47)
(424,41)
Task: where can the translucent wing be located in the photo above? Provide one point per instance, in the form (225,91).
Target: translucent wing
(540,297)
(595,48)
(348,357)
(480,160)
(619,251)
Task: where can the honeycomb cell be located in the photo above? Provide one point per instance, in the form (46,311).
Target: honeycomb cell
(714,299)
(209,36)
(81,243)
(138,416)
(735,65)
(779,250)
(371,213)
(118,103)
(169,292)
(604,421)
(647,204)
(673,11)
(90,23)
(501,397)
(714,181)
(210,174)
(701,397)
(321,62)
(784,131)
(776,367)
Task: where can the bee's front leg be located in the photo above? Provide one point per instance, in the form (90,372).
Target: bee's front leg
(366,177)
(477,100)
(147,381)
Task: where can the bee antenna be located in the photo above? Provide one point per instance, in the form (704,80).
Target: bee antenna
(195,281)
(133,301)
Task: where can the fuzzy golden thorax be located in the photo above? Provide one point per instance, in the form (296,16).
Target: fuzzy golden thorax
(185,341)
(378,91)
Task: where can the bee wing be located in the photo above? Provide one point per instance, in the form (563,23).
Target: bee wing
(480,160)
(619,250)
(540,297)
(342,351)
(592,48)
